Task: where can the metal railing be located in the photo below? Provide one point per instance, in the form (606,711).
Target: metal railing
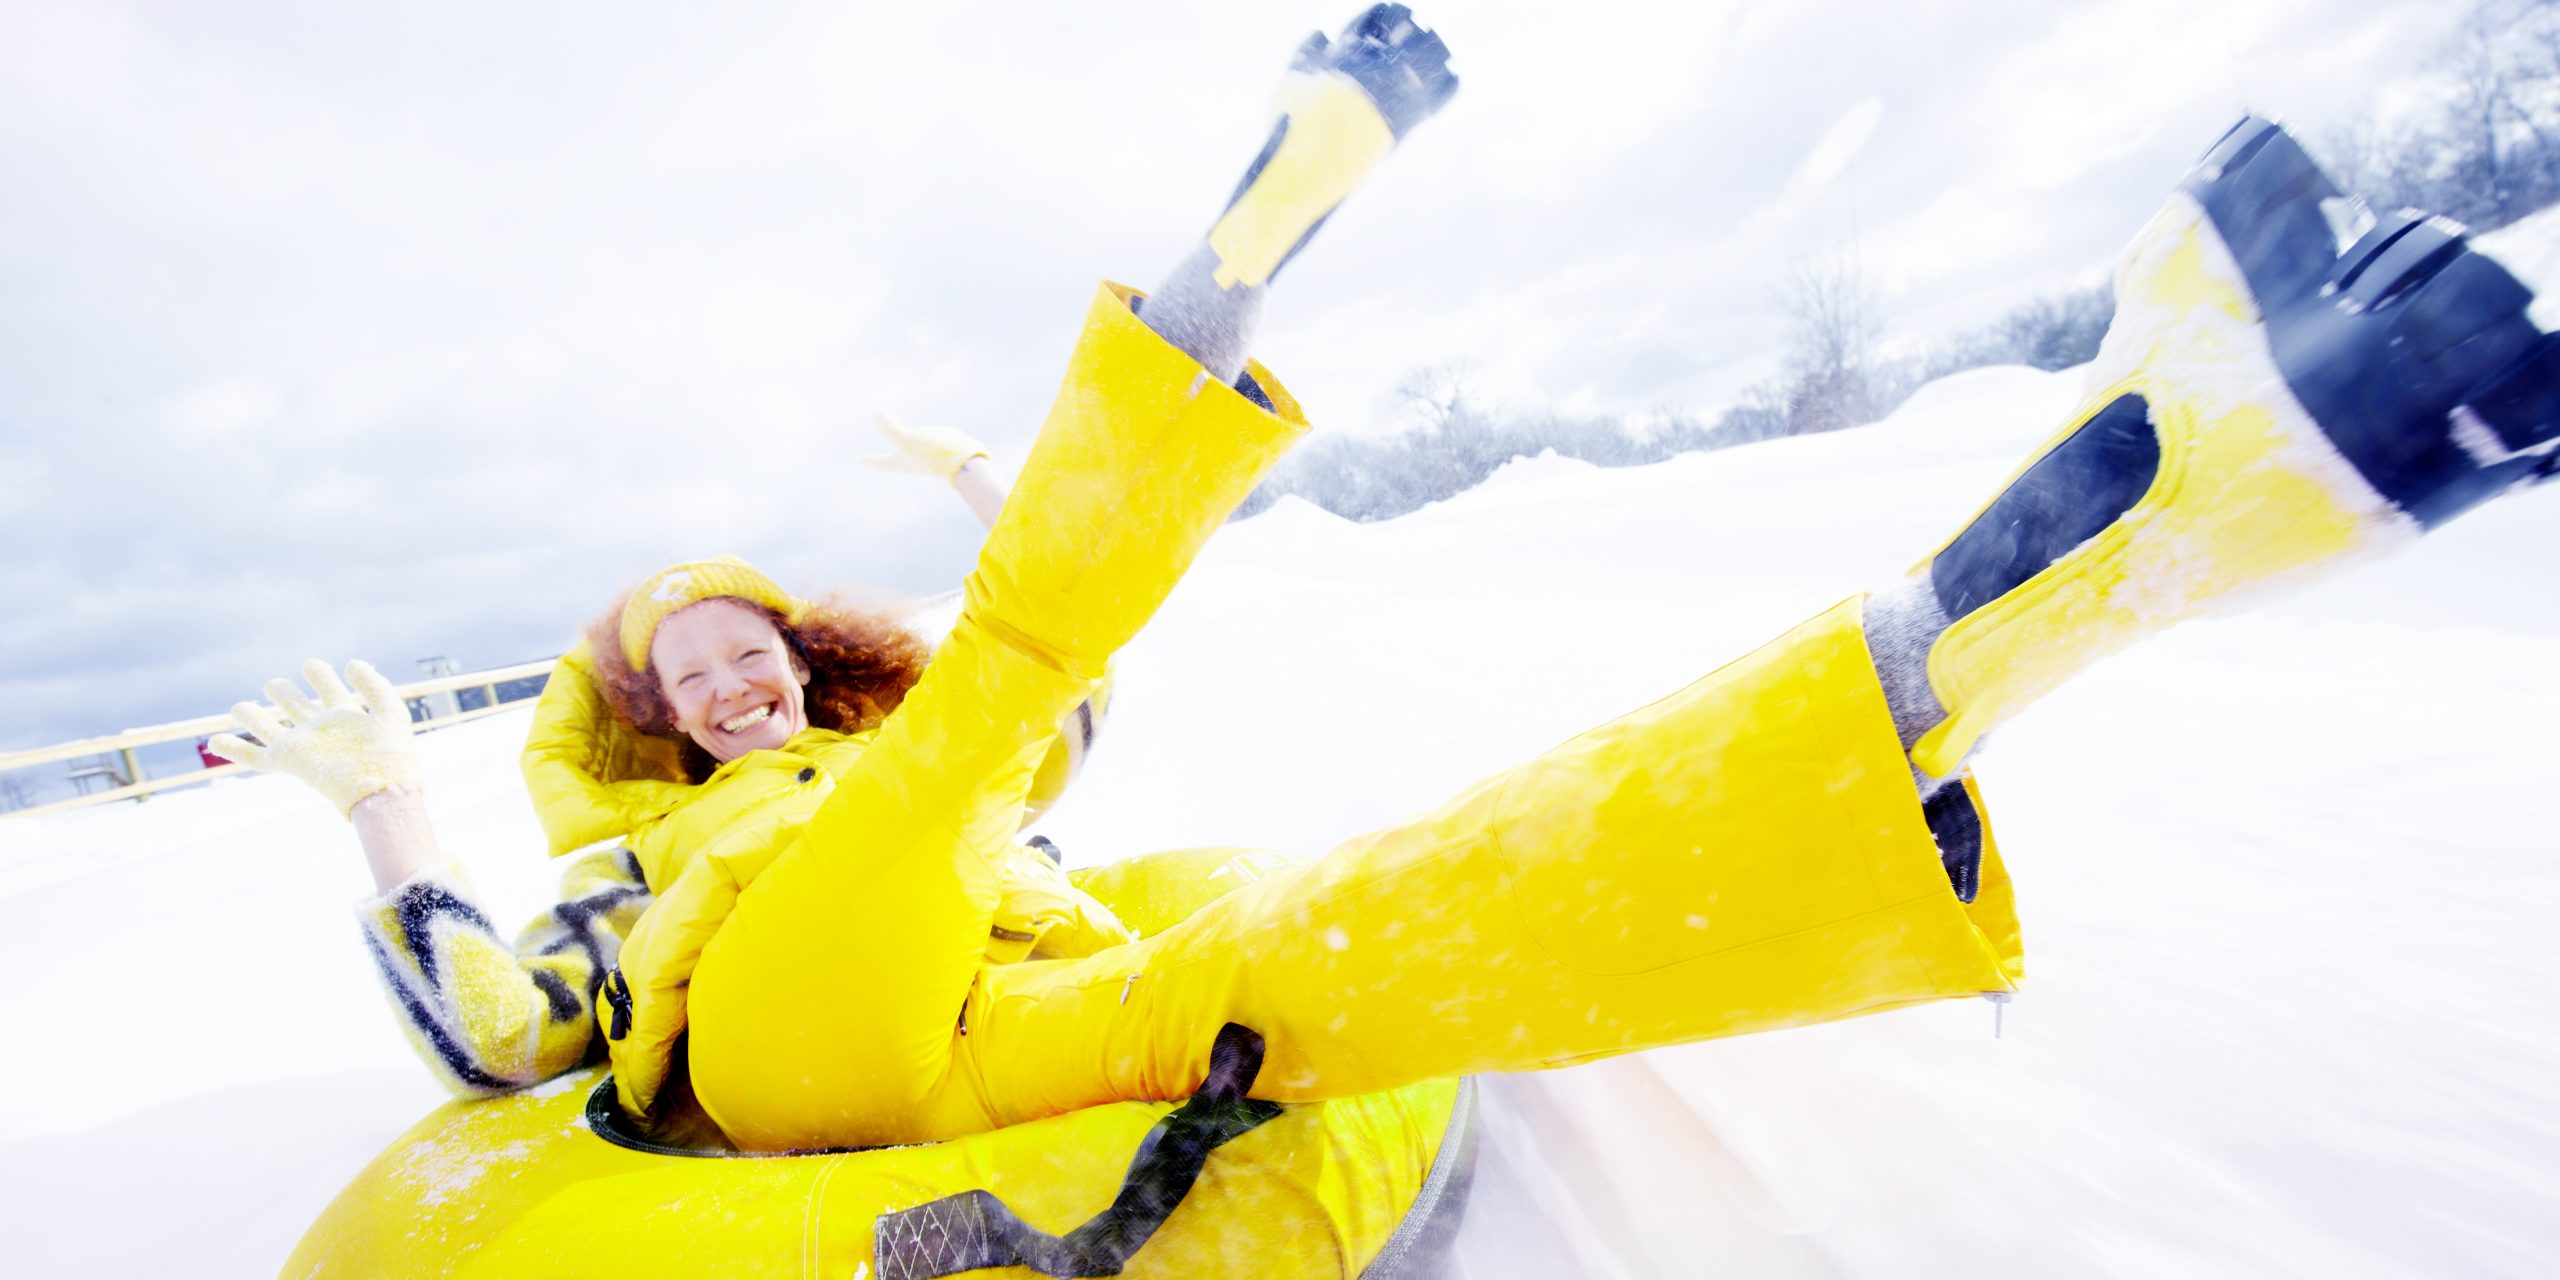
(138,787)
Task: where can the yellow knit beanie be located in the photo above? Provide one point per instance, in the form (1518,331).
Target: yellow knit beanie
(676,586)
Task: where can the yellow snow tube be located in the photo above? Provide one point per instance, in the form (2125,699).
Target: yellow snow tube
(550,1181)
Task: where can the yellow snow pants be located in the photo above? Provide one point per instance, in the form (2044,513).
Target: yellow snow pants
(1746,854)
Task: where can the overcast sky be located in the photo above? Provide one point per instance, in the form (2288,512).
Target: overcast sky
(336,330)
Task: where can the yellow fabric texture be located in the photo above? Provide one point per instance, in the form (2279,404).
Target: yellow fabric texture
(591,775)
(1077,731)
(1744,855)
(1142,456)
(2248,493)
(1994,909)
(1747,854)
(520,1185)
(699,854)
(678,586)
(1153,893)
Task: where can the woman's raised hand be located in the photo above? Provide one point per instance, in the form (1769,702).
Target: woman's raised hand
(347,745)
(926,451)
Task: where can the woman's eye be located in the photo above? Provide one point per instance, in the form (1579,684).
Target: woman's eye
(751,655)
(689,677)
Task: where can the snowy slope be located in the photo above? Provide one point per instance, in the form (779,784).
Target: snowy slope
(2288,881)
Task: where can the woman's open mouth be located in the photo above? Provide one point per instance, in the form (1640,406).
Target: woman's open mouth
(746,720)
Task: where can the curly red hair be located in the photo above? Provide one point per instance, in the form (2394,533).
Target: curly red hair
(861,663)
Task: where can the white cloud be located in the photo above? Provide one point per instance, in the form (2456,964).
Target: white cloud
(1841,144)
(437,325)
(219,409)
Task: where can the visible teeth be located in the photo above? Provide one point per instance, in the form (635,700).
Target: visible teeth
(749,720)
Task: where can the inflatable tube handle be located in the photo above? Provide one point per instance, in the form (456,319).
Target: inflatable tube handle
(974,1229)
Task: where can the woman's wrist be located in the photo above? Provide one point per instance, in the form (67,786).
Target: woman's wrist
(978,486)
(399,841)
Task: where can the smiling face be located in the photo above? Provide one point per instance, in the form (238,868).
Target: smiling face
(732,682)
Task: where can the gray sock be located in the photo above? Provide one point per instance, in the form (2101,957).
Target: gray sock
(1902,623)
(1212,325)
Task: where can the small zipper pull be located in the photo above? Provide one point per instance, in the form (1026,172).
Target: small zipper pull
(1125,986)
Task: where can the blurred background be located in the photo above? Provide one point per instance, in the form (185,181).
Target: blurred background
(415,333)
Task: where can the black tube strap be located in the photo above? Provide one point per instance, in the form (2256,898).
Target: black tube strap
(974,1229)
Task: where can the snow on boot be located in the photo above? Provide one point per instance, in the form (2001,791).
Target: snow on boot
(2264,407)
(1343,106)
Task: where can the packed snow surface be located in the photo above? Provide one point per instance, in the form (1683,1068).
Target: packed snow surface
(2290,885)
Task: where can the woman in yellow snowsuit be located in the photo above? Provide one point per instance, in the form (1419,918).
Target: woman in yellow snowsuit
(1790,839)
(604,763)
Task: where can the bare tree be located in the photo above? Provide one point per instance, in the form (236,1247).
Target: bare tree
(1436,395)
(2475,117)
(2486,150)
(2529,96)
(2490,152)
(1830,345)
(16,793)
(2366,159)
(1760,414)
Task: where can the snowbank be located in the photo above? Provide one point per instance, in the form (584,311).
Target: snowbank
(2289,884)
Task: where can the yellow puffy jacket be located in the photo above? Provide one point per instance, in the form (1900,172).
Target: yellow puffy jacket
(592,776)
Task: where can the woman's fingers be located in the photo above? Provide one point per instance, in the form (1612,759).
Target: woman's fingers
(288,698)
(233,747)
(902,454)
(294,708)
(334,693)
(379,695)
(924,451)
(929,450)
(258,721)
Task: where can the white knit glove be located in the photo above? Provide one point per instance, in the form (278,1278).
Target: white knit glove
(347,747)
(924,451)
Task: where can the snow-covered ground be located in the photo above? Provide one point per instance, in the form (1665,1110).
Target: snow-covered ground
(2290,883)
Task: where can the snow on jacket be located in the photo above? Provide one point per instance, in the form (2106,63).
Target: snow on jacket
(489,1016)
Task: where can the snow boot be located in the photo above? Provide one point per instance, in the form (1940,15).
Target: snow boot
(1343,106)
(2265,406)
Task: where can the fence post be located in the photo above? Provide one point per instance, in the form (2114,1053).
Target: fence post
(441,705)
(133,772)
